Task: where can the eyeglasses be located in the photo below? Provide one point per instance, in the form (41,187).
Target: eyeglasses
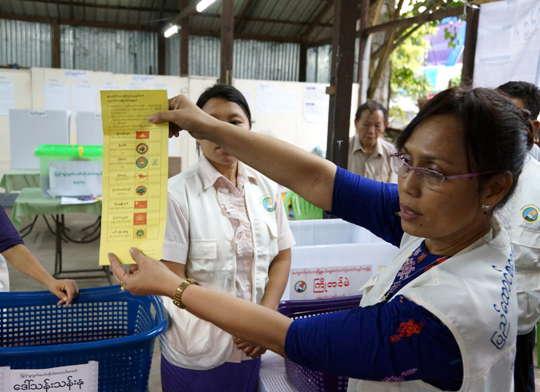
(430,177)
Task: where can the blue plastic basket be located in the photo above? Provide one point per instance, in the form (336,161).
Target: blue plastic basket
(305,379)
(107,325)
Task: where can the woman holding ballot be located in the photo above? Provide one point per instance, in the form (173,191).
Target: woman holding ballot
(227,230)
(443,315)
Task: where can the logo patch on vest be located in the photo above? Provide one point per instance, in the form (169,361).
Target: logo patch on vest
(530,213)
(269,204)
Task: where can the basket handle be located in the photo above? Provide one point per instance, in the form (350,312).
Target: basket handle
(158,307)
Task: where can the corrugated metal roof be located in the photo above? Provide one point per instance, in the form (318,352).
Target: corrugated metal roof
(252,59)
(26,44)
(118,51)
(258,18)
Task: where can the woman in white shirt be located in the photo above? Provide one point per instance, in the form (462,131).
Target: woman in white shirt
(227,230)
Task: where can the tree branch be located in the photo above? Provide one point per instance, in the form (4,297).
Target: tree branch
(401,39)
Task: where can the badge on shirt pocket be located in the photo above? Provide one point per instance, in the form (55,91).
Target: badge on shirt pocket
(530,216)
(269,204)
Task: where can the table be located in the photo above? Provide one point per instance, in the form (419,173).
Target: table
(15,180)
(31,204)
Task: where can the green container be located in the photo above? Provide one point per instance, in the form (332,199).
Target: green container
(301,208)
(48,153)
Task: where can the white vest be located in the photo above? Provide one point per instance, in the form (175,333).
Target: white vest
(521,217)
(189,341)
(472,294)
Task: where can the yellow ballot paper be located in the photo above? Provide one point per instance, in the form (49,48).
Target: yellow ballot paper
(135,159)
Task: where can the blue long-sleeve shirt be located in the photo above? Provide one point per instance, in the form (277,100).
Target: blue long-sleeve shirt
(9,237)
(396,340)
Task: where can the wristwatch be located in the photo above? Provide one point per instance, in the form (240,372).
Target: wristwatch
(177,298)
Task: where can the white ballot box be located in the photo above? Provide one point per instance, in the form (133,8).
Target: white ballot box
(333,258)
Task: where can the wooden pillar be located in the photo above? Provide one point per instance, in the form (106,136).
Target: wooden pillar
(362,42)
(184,40)
(302,63)
(341,79)
(471,36)
(161,52)
(227,42)
(55,45)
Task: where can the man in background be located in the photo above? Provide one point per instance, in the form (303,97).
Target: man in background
(369,153)
(526,96)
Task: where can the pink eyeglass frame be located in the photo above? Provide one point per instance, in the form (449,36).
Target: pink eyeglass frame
(444,176)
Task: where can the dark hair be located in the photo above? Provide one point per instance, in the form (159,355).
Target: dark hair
(371,106)
(495,129)
(530,95)
(228,93)
(527,92)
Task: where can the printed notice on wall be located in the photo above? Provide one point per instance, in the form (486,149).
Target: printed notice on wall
(83,378)
(7,96)
(135,168)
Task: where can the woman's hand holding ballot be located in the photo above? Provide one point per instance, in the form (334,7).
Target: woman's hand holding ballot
(146,277)
(185,115)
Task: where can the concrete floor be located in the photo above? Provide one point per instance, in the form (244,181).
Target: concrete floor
(42,244)
(76,256)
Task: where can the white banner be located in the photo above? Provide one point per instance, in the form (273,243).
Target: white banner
(508,46)
(82,378)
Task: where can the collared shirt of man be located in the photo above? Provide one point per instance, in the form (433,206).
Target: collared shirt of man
(376,165)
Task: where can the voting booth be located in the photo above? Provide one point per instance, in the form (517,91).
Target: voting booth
(333,258)
(29,129)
